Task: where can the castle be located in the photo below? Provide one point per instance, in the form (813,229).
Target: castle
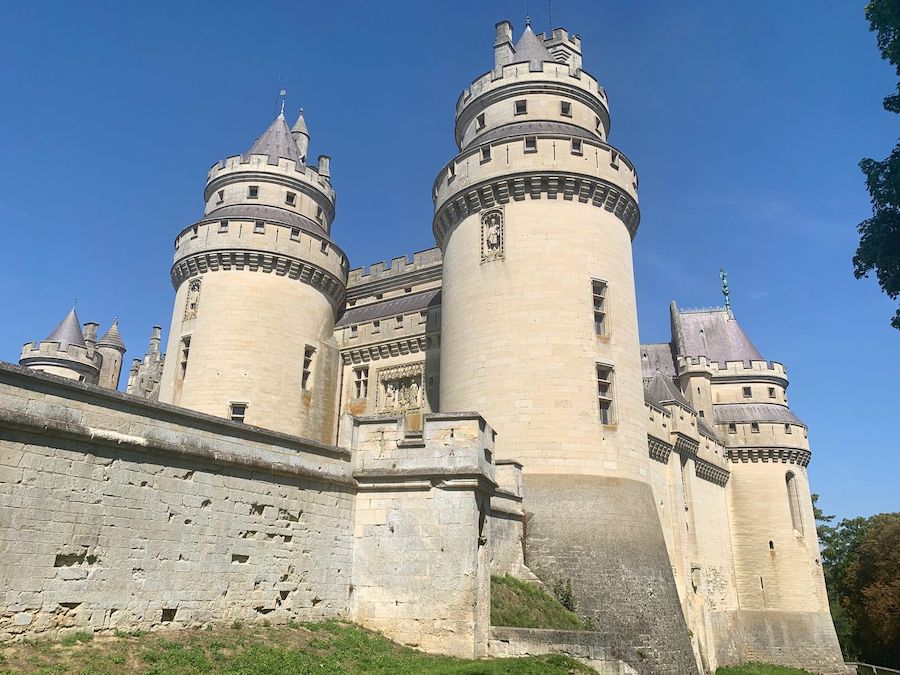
(374,443)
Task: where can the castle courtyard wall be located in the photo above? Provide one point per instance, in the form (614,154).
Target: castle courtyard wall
(119,512)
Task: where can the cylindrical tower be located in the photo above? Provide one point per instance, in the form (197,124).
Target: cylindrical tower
(112,349)
(259,283)
(65,352)
(535,218)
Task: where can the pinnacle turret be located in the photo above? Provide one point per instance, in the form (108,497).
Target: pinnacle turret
(112,337)
(301,135)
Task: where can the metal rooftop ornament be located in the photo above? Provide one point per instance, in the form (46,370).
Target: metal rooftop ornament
(724,276)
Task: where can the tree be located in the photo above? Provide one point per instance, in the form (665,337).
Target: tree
(879,236)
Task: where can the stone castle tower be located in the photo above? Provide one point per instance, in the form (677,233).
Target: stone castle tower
(259,282)
(535,218)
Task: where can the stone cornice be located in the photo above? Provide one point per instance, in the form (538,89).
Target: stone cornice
(782,454)
(536,184)
(382,350)
(710,472)
(261,261)
(685,445)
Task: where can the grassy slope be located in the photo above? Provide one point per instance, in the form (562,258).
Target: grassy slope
(524,605)
(760,669)
(331,648)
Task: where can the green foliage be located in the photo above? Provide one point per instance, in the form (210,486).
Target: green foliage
(760,669)
(75,638)
(328,647)
(525,605)
(563,591)
(861,561)
(879,240)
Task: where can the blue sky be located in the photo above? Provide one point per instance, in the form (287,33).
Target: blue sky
(746,122)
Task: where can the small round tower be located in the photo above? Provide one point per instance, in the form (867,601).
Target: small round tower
(65,352)
(259,283)
(112,349)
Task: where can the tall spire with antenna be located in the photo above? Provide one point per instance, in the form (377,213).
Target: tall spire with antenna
(723,275)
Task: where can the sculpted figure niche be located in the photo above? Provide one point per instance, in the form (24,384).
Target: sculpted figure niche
(400,389)
(193,300)
(491,235)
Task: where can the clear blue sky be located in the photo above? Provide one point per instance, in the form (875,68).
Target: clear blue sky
(746,122)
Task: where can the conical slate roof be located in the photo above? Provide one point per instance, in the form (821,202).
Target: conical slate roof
(663,390)
(300,125)
(68,332)
(714,334)
(531,48)
(112,338)
(276,142)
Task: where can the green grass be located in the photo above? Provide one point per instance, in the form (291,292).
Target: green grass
(760,669)
(525,605)
(327,648)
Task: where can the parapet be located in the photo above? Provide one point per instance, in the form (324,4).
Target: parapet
(85,360)
(287,168)
(766,370)
(430,257)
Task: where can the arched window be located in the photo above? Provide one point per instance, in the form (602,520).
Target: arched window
(794,501)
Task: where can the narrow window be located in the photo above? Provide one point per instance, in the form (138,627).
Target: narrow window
(732,428)
(521,107)
(614,159)
(771,545)
(486,153)
(320,214)
(237,412)
(223,226)
(361,382)
(399,320)
(748,392)
(290,198)
(577,146)
(408,289)
(308,355)
(185,352)
(354,331)
(295,234)
(754,427)
(794,500)
(598,289)
(605,393)
(194,231)
(423,318)
(259,227)
(324,247)
(771,392)
(788,429)
(376,326)
(253,192)
(480,122)
(565,108)
(701,413)
(221,196)
(531,144)
(379,296)
(451,171)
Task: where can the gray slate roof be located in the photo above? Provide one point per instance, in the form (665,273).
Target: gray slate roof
(664,390)
(657,357)
(536,127)
(112,337)
(276,142)
(531,48)
(68,332)
(393,307)
(713,334)
(271,214)
(300,125)
(754,412)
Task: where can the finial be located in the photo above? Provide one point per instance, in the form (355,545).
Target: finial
(527,15)
(282,93)
(723,275)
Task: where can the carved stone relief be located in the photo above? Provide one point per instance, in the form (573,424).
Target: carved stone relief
(491,235)
(193,299)
(400,388)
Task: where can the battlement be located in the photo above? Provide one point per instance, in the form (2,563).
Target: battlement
(558,73)
(430,257)
(740,369)
(317,177)
(36,354)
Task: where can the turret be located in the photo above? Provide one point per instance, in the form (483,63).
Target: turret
(535,218)
(90,333)
(64,352)
(112,349)
(259,282)
(301,135)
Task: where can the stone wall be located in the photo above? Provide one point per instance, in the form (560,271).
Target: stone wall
(589,647)
(115,511)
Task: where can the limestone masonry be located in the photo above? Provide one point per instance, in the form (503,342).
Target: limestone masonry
(374,443)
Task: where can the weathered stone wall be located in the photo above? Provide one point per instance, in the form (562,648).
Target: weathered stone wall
(589,647)
(601,534)
(119,512)
(507,522)
(421,538)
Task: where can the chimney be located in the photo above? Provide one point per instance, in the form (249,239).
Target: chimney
(503,45)
(90,333)
(325,166)
(155,340)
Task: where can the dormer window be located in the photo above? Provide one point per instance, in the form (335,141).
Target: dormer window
(253,192)
(531,144)
(565,109)
(479,121)
(521,107)
(259,227)
(290,198)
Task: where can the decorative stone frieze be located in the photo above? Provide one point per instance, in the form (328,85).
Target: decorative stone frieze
(399,388)
(383,350)
(685,445)
(785,455)
(658,449)
(711,472)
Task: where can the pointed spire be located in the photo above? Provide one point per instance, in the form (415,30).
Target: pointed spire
(68,332)
(531,48)
(276,142)
(112,337)
(301,135)
(723,275)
